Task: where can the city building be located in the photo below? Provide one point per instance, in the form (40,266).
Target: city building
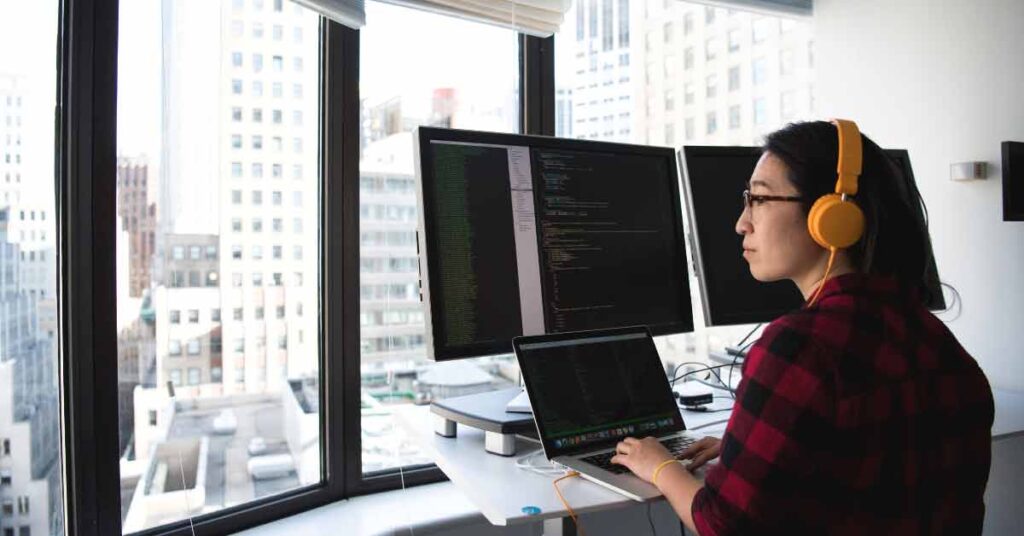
(603,90)
(29,433)
(716,76)
(138,218)
(188,317)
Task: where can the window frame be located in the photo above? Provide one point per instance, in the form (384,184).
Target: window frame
(86,141)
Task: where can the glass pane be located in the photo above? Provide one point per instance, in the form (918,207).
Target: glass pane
(216,409)
(31,500)
(401,87)
(741,75)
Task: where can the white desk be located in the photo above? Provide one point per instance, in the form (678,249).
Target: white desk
(500,490)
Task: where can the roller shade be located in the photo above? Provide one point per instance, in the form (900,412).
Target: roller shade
(351,13)
(534,17)
(802,8)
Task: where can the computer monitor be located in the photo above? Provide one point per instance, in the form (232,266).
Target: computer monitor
(714,179)
(528,235)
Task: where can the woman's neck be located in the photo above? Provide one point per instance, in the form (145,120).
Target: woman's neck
(815,277)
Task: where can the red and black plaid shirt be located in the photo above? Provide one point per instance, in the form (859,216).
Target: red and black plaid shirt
(859,415)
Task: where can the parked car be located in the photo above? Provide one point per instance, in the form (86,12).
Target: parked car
(272,466)
(225,423)
(258,446)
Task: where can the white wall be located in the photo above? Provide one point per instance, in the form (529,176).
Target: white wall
(945,80)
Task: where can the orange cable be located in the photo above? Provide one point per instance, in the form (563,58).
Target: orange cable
(831,259)
(572,514)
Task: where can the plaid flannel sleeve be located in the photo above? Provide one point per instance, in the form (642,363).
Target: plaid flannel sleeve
(764,480)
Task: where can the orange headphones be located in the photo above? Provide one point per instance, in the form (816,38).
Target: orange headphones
(835,222)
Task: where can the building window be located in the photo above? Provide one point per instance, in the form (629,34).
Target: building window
(173,347)
(175,377)
(5,477)
(760,111)
(734,78)
(712,123)
(712,86)
(734,117)
(193,347)
(215,315)
(193,316)
(194,376)
(174,316)
(759,71)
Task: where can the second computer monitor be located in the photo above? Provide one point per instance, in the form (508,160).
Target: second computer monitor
(714,180)
(527,235)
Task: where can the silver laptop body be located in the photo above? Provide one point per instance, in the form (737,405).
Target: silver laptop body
(591,389)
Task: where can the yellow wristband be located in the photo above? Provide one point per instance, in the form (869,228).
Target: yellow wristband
(654,478)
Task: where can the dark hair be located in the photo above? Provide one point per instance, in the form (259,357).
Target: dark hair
(896,240)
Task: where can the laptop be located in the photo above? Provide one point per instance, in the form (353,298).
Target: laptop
(591,389)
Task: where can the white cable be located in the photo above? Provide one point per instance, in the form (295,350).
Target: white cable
(184,487)
(525,463)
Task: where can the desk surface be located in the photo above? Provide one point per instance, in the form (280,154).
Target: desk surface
(500,490)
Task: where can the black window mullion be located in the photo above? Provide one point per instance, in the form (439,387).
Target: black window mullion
(85,187)
(537,85)
(340,307)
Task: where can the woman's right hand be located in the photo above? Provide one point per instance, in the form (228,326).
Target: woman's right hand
(704,450)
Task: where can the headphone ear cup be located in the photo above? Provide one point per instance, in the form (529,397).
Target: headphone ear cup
(834,223)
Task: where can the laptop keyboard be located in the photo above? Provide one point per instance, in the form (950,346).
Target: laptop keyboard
(675,446)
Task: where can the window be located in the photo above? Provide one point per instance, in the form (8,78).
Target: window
(258,313)
(734,40)
(759,71)
(377,65)
(5,447)
(5,477)
(712,123)
(760,112)
(688,58)
(734,78)
(734,117)
(711,86)
(786,58)
(669,100)
(174,316)
(255,61)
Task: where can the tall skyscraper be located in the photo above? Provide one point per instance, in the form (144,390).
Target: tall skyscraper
(721,77)
(138,219)
(241,165)
(603,91)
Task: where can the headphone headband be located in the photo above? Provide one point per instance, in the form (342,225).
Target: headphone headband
(848,166)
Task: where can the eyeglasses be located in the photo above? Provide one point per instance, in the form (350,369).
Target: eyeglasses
(749,199)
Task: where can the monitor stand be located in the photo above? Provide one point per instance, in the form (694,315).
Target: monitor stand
(487,412)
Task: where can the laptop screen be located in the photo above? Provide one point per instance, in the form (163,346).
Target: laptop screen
(590,390)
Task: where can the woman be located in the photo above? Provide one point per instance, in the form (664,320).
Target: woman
(859,413)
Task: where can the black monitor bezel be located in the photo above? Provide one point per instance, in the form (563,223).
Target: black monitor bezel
(425,135)
(1013,161)
(712,318)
